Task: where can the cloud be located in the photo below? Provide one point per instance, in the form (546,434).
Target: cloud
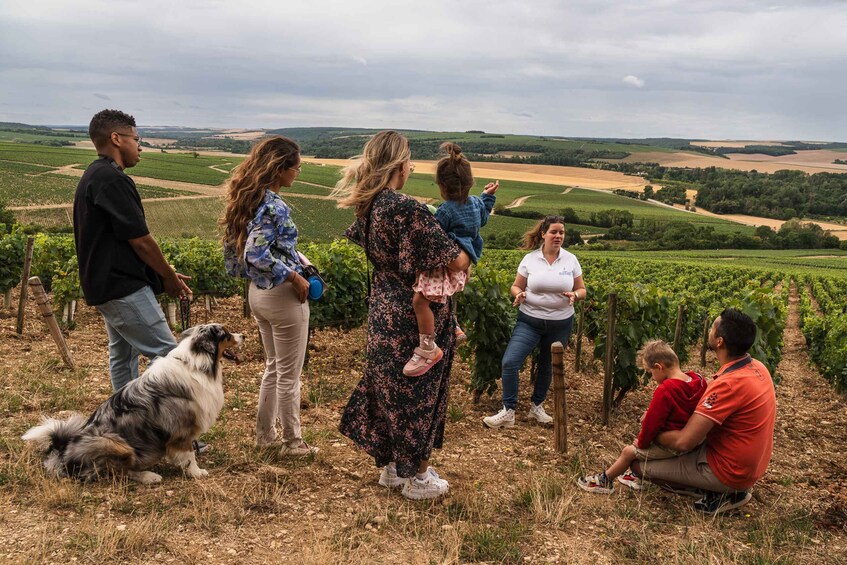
(102,96)
(722,68)
(634,81)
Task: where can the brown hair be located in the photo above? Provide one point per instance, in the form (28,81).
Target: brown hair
(657,351)
(532,238)
(367,176)
(453,174)
(247,184)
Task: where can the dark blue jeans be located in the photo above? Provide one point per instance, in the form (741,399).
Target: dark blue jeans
(528,333)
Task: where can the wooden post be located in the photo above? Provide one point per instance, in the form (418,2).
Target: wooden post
(24,278)
(610,356)
(677,333)
(560,408)
(705,345)
(245,299)
(578,350)
(47,312)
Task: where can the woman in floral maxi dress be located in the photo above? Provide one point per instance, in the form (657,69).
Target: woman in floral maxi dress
(398,420)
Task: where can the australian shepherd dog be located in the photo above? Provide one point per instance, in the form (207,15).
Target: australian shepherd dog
(154,417)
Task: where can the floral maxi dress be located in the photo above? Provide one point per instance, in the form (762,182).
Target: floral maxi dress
(390,416)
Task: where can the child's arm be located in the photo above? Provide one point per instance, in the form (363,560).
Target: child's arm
(654,419)
(488,200)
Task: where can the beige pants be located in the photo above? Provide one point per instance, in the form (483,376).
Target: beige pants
(284,326)
(691,469)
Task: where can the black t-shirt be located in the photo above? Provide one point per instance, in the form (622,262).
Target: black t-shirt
(108,213)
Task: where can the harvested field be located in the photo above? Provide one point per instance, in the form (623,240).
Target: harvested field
(546,174)
(806,161)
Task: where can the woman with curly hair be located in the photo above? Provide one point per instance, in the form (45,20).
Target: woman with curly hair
(396,419)
(260,244)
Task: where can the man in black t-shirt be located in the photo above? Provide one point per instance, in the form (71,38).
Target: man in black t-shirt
(121,267)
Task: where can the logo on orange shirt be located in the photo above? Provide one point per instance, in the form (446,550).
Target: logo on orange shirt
(710,402)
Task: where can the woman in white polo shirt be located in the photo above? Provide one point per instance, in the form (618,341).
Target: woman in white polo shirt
(548,283)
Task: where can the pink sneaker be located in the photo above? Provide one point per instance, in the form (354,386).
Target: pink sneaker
(461,336)
(422,361)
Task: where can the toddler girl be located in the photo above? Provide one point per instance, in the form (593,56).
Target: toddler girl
(461,216)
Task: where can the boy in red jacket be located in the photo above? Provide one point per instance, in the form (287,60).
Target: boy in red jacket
(674,400)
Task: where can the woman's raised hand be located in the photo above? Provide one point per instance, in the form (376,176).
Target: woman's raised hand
(491,187)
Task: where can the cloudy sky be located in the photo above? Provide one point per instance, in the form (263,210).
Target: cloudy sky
(712,69)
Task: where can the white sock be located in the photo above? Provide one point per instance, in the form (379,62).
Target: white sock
(421,476)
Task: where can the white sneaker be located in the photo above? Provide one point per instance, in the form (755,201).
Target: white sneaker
(505,418)
(537,412)
(388,477)
(430,487)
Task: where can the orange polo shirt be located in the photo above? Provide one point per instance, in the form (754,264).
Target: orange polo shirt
(742,403)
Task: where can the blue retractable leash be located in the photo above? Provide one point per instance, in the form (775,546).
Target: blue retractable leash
(317,286)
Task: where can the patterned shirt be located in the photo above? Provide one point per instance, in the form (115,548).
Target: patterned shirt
(270,252)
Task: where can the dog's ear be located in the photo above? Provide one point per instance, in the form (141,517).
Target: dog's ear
(187,333)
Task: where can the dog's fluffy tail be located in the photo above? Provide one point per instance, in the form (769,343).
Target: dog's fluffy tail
(71,450)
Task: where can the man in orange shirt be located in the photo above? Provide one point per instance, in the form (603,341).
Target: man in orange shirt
(735,417)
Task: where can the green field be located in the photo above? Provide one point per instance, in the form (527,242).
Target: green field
(21,188)
(43,155)
(36,135)
(182,167)
(828,262)
(317,220)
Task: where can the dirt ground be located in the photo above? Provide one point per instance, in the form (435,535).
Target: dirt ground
(513,499)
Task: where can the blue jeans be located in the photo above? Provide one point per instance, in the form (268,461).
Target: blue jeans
(136,325)
(528,333)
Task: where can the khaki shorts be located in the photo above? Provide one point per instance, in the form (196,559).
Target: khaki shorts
(655,452)
(691,469)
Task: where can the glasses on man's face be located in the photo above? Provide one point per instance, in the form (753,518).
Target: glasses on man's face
(137,138)
(297,169)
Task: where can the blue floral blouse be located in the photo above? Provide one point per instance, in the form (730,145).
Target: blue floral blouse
(270,252)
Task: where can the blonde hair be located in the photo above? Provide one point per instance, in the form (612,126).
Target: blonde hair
(368,175)
(247,184)
(657,351)
(532,238)
(453,174)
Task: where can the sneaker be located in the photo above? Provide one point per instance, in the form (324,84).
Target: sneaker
(461,336)
(388,477)
(300,451)
(716,502)
(631,480)
(505,418)
(199,447)
(537,411)
(431,487)
(599,484)
(684,491)
(421,361)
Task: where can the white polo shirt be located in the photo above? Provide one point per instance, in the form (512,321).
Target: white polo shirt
(545,284)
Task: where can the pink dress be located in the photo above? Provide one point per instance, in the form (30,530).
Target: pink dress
(440,284)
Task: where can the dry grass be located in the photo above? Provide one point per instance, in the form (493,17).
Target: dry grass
(512,498)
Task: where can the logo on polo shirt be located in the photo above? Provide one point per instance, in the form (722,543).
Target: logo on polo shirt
(709,403)
(565,273)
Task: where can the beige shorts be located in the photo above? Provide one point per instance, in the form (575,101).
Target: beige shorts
(655,452)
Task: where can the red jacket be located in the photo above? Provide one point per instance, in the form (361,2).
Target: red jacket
(672,404)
